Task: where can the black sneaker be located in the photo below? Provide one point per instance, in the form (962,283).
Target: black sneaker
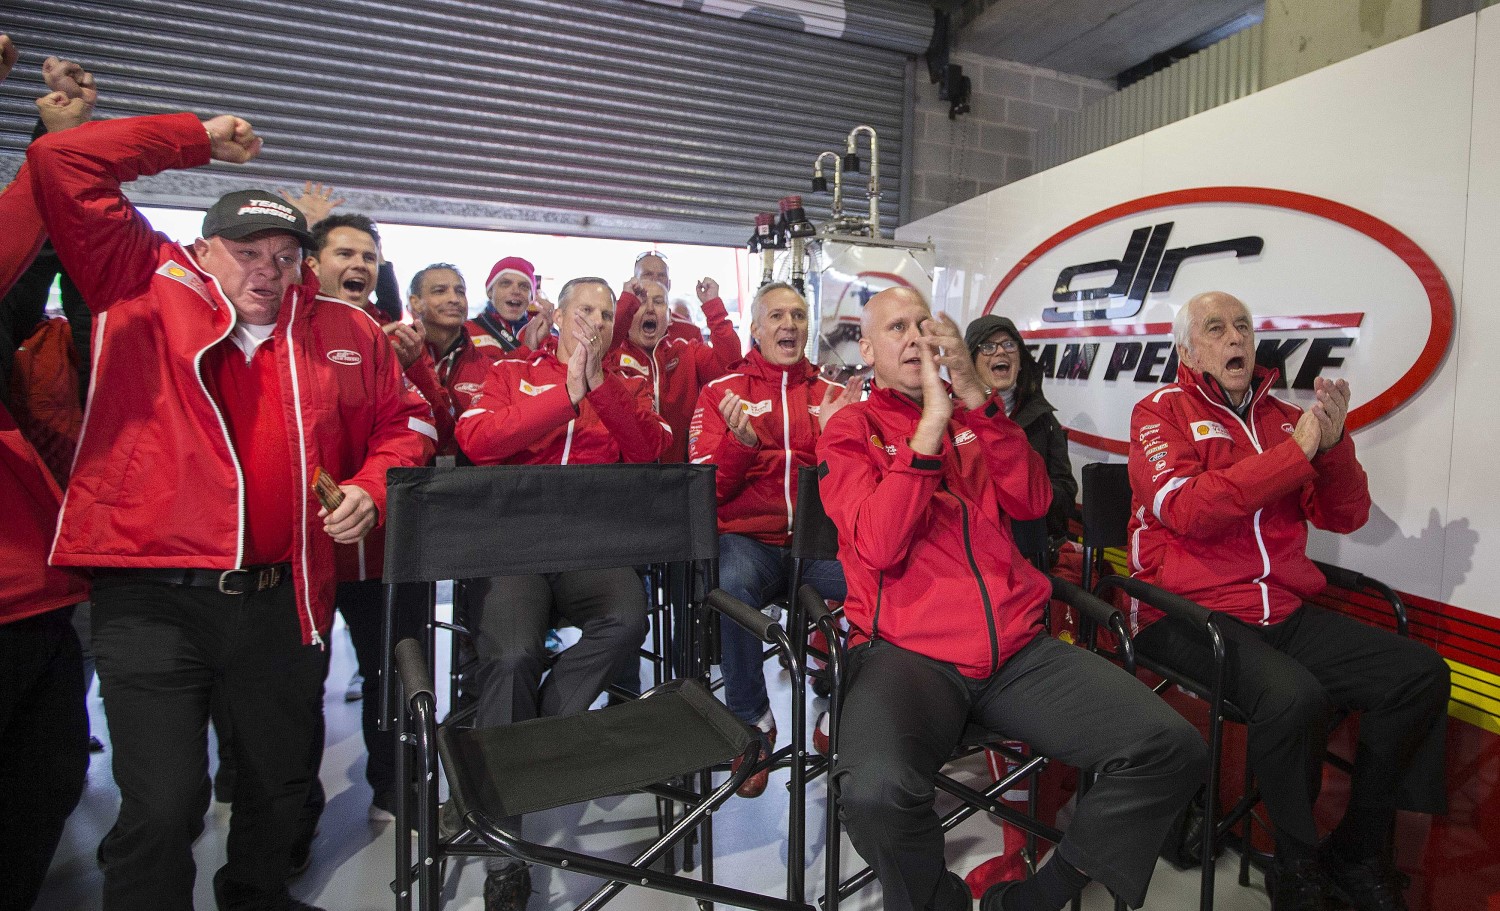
(1302,887)
(1370,885)
(507,890)
(994,896)
(233,896)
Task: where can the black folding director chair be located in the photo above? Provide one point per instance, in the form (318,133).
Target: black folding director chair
(447,524)
(1106,517)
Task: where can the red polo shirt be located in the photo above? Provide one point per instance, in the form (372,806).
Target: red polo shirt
(249,394)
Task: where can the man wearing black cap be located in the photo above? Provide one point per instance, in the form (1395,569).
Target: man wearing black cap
(222,384)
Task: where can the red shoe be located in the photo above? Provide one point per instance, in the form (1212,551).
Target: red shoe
(820,734)
(755,785)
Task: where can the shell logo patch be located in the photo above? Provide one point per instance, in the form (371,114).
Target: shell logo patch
(1209,430)
(628,361)
(346,357)
(184,276)
(536,390)
(756,409)
(482,341)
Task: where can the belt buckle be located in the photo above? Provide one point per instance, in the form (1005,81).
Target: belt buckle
(224,581)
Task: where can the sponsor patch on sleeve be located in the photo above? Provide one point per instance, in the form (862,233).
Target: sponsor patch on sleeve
(536,390)
(1209,430)
(184,276)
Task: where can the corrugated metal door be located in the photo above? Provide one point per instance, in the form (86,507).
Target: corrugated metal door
(605,117)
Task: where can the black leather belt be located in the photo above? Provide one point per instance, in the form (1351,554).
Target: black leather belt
(249,580)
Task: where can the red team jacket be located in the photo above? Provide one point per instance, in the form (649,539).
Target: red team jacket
(757,488)
(524,416)
(28,586)
(1221,504)
(677,369)
(156,482)
(925,541)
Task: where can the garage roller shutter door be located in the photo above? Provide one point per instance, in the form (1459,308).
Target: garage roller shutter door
(605,117)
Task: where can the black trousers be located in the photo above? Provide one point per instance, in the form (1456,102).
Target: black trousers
(44,749)
(510,616)
(905,714)
(165,653)
(363,607)
(1290,678)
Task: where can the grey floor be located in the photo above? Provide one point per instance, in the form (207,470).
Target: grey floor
(353,859)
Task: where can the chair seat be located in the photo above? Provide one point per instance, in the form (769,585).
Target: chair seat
(551,762)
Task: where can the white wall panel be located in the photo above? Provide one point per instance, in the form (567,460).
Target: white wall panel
(1387,133)
(1471,564)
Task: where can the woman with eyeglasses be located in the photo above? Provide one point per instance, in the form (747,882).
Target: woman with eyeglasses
(1005,365)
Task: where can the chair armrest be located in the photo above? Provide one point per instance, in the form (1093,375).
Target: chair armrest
(752,620)
(1356,581)
(411,668)
(814,608)
(1079,598)
(1101,613)
(1161,599)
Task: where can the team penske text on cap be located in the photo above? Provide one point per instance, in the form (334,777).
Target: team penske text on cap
(246,212)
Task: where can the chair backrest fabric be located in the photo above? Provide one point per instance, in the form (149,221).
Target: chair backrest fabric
(1106,504)
(814,536)
(503,520)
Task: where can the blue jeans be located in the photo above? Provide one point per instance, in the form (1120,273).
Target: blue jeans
(757,574)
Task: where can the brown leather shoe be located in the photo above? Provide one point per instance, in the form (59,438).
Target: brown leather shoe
(755,785)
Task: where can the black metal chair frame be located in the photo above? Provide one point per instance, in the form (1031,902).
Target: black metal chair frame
(1106,516)
(440,525)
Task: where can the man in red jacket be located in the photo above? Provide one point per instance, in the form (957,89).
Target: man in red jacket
(759,425)
(43,719)
(1226,478)
(222,382)
(439,298)
(946,629)
(506,325)
(675,368)
(558,407)
(344,251)
(652,266)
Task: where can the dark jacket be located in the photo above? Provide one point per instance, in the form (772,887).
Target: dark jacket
(1050,441)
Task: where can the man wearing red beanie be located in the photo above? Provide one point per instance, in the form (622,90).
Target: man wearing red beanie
(511,288)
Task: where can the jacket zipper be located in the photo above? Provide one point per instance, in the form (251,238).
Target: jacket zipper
(786,451)
(984,592)
(291,352)
(1260,541)
(879,597)
(234,458)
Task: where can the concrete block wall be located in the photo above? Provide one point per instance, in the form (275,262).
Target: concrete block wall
(994,144)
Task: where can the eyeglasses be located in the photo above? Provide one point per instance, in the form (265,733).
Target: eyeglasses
(656,253)
(1008,346)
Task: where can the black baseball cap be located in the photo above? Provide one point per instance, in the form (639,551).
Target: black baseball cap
(247,212)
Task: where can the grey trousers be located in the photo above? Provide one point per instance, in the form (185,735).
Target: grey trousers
(510,616)
(904,715)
